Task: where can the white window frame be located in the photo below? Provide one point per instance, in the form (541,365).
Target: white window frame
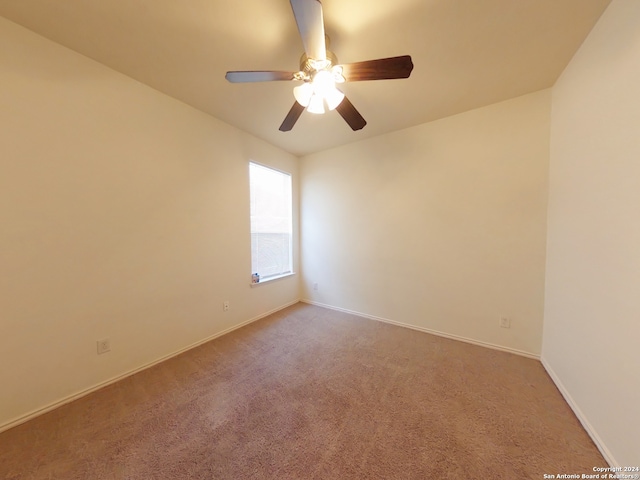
(277,222)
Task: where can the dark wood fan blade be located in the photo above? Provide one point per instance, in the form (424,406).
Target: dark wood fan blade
(310,23)
(292,117)
(258,76)
(381,69)
(351,115)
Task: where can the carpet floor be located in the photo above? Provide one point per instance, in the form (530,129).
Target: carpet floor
(310,393)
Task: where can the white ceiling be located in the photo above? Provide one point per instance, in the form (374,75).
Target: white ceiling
(467,53)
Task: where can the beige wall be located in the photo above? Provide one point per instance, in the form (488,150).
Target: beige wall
(592,311)
(441,226)
(124,215)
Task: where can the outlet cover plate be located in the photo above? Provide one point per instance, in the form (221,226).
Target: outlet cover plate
(104,346)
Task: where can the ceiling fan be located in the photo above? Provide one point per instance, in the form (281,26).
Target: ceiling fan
(320,71)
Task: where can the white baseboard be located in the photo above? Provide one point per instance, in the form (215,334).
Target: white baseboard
(52,406)
(428,330)
(606,453)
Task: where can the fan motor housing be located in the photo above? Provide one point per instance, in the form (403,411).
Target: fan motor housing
(306,63)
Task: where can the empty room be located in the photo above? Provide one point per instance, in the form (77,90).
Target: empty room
(297,239)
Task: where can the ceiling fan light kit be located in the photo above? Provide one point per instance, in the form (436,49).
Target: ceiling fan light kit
(320,72)
(320,90)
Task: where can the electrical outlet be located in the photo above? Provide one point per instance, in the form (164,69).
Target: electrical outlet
(104,346)
(225,306)
(505,322)
(315,287)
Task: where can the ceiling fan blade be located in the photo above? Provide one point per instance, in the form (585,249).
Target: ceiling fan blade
(351,115)
(292,117)
(381,69)
(258,76)
(310,23)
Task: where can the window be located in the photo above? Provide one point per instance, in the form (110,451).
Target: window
(271,224)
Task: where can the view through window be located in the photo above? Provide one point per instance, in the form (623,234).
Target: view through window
(271,222)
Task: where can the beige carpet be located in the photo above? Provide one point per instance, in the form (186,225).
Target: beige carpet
(311,393)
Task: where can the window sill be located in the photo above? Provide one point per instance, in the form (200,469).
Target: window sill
(271,279)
